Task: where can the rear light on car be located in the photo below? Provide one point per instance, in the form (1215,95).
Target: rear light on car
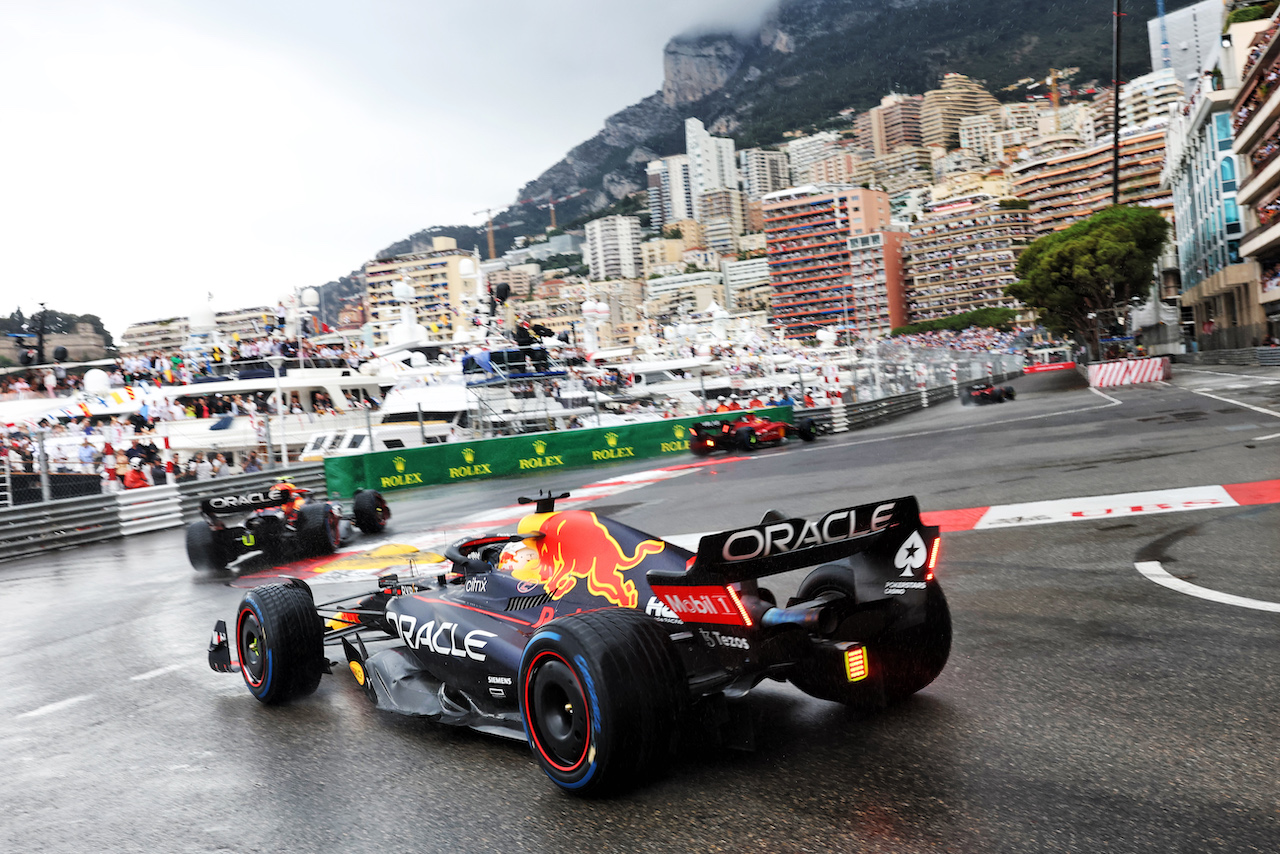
(855,663)
(737,600)
(933,558)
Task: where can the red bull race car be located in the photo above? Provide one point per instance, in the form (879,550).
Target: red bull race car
(746,432)
(600,645)
(980,393)
(282,523)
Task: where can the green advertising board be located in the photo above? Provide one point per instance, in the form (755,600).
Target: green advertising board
(457,462)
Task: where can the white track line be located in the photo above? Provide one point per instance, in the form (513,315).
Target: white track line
(159,671)
(55,707)
(1154,571)
(1265,438)
(1258,409)
(1113,402)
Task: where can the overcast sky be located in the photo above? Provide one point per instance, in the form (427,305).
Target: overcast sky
(154,151)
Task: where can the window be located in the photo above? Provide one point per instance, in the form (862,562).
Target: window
(1231,210)
(1222,127)
(1228,175)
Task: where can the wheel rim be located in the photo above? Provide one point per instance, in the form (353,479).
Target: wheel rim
(558,717)
(251,647)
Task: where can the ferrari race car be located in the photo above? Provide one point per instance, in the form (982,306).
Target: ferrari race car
(284,523)
(980,393)
(745,433)
(600,645)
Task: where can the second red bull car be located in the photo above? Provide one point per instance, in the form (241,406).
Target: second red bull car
(600,645)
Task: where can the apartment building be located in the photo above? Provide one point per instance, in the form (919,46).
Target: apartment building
(1073,185)
(807,231)
(670,191)
(1240,313)
(763,172)
(805,151)
(444,280)
(877,301)
(944,107)
(744,283)
(712,164)
(895,122)
(612,250)
(962,255)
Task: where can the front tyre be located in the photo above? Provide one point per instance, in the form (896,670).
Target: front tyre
(279,642)
(806,430)
(203,549)
(1009,393)
(602,694)
(371,511)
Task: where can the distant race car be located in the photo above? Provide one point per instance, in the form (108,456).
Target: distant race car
(745,433)
(283,523)
(980,393)
(600,645)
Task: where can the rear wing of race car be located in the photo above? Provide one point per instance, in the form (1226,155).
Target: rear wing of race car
(225,505)
(888,532)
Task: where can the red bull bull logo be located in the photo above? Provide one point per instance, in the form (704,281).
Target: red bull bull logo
(577,546)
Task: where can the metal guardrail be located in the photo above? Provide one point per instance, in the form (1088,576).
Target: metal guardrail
(28,529)
(33,528)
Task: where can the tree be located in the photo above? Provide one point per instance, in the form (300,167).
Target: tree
(1092,271)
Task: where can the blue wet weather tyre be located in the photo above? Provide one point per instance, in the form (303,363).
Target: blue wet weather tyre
(279,641)
(603,694)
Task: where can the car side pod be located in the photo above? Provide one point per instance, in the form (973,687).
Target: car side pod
(220,651)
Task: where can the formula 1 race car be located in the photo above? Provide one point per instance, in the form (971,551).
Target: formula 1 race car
(600,645)
(745,433)
(980,393)
(284,523)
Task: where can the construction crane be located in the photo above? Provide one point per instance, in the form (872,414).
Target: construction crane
(488,212)
(551,203)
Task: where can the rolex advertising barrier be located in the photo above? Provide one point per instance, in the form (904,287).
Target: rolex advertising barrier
(458,462)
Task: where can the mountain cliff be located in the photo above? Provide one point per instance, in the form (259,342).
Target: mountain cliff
(811,58)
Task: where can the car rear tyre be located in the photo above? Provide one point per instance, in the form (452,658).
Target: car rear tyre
(280,642)
(318,529)
(371,511)
(203,549)
(1009,393)
(602,694)
(700,448)
(908,658)
(745,438)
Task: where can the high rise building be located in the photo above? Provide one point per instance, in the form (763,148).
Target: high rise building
(712,165)
(1193,33)
(763,172)
(670,190)
(743,281)
(892,124)
(438,281)
(807,231)
(1235,314)
(878,301)
(962,255)
(978,134)
(807,150)
(1147,98)
(944,107)
(612,250)
(723,219)
(1073,185)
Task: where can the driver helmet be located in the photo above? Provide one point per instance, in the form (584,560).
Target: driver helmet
(520,560)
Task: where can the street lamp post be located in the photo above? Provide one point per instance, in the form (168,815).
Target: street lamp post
(275,360)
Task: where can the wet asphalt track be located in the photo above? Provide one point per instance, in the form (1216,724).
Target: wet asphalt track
(1084,708)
